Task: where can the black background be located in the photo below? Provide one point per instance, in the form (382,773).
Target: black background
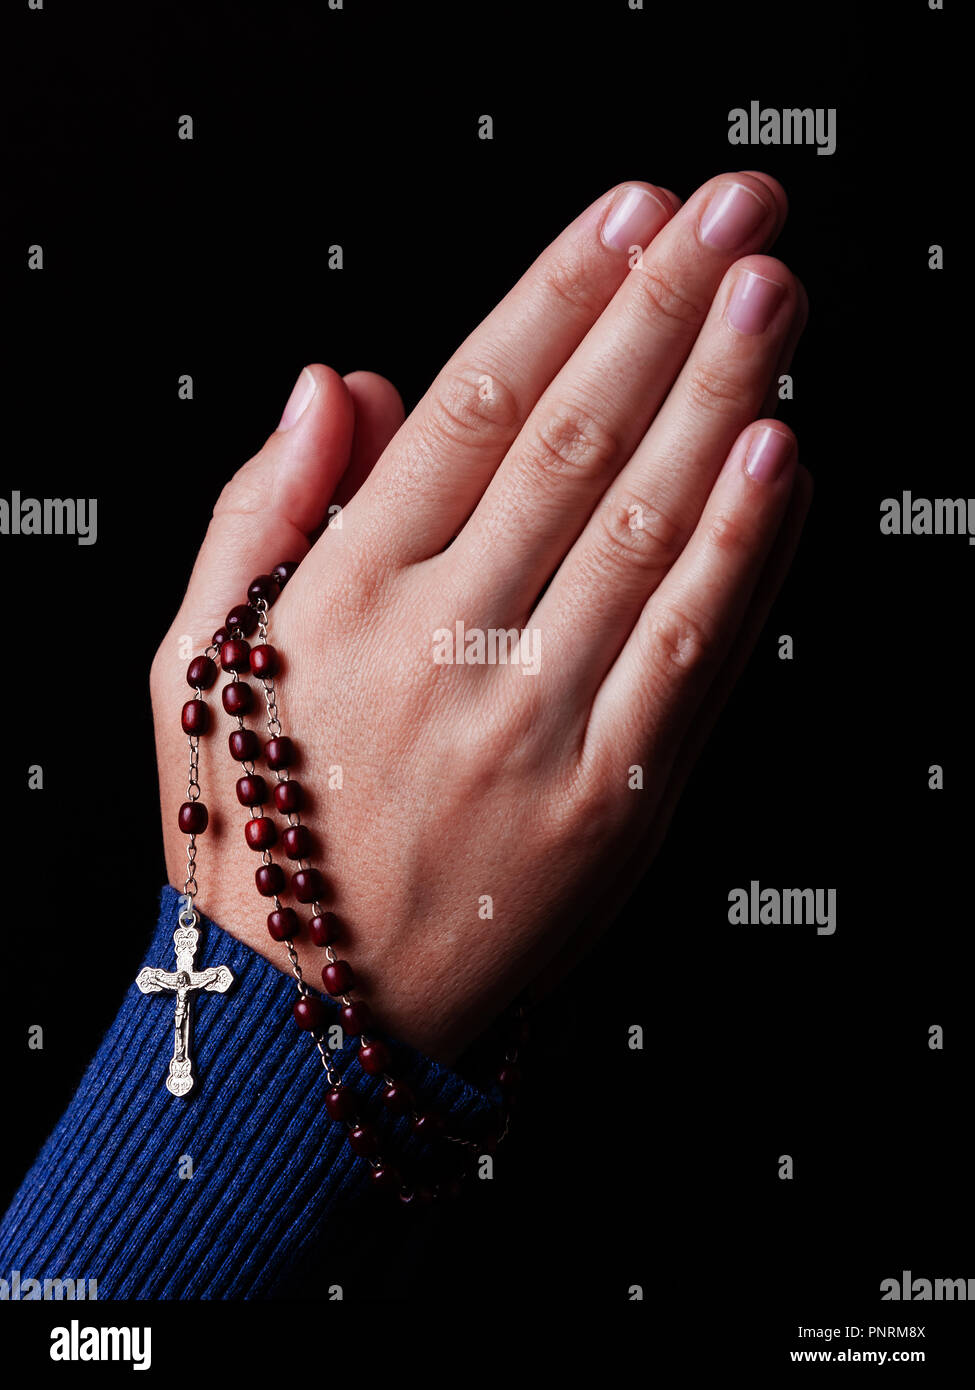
(164,257)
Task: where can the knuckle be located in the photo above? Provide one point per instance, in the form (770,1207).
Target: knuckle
(678,639)
(635,534)
(571,284)
(660,297)
(245,492)
(569,443)
(729,535)
(470,407)
(714,390)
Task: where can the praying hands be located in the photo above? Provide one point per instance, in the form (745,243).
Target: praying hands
(517,612)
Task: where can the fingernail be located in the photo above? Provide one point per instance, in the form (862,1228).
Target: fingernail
(753,302)
(298,401)
(634,219)
(733,215)
(767,454)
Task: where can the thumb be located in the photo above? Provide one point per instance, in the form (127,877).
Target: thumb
(269,509)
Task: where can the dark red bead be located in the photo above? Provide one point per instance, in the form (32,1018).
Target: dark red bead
(260,832)
(385,1178)
(252,791)
(280,752)
(238,698)
(355,1018)
(264,661)
(288,797)
(398,1098)
(308,885)
(193,818)
(297,842)
(309,1012)
(219,637)
(509,1077)
(283,572)
(244,745)
(283,924)
(363,1140)
(374,1057)
(242,619)
(263,587)
(201,673)
(340,1103)
(337,977)
(324,929)
(428,1124)
(270,880)
(196,717)
(235,655)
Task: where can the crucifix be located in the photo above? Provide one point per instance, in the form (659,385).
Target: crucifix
(182,981)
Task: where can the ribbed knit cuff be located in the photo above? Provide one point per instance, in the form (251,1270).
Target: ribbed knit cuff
(110,1196)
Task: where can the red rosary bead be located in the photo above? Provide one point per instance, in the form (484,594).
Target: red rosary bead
(309,1012)
(297,842)
(280,752)
(509,1077)
(263,587)
(283,924)
(324,929)
(195,718)
(374,1057)
(219,637)
(242,619)
(288,797)
(193,818)
(201,673)
(260,832)
(270,880)
(428,1124)
(385,1178)
(308,885)
(252,791)
(337,977)
(340,1103)
(237,697)
(398,1098)
(283,572)
(355,1018)
(264,661)
(235,655)
(363,1140)
(244,745)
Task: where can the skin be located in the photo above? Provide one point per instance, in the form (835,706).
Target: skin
(612,388)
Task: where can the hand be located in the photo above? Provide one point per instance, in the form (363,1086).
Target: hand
(586,468)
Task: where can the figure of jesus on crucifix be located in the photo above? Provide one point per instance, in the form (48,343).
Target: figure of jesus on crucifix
(151,980)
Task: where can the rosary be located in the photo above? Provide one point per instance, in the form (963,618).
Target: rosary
(449,1165)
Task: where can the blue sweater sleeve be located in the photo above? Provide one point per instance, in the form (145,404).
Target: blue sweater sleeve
(109,1197)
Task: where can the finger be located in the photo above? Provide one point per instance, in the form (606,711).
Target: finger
(446,454)
(596,410)
(606,902)
(378,415)
(270,507)
(646,517)
(686,628)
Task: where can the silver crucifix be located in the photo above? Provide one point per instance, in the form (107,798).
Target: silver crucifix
(182,980)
